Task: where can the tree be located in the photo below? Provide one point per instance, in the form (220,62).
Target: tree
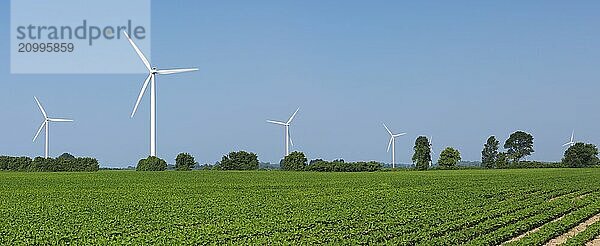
(240,160)
(152,163)
(489,154)
(581,155)
(519,145)
(184,162)
(295,161)
(449,158)
(422,155)
(502,160)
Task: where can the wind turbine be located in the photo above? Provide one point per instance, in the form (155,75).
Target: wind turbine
(571,142)
(153,71)
(46,124)
(431,150)
(286,126)
(393,144)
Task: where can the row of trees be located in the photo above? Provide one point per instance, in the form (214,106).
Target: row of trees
(64,163)
(243,160)
(449,157)
(520,145)
(183,162)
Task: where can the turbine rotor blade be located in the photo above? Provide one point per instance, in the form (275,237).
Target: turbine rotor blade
(290,138)
(41,108)
(400,134)
(277,122)
(390,144)
(388,130)
(137,103)
(59,120)
(139,52)
(39,130)
(293,115)
(178,70)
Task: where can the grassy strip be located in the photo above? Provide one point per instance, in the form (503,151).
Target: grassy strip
(583,237)
(557,228)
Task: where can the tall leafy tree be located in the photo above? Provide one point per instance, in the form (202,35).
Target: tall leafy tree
(519,145)
(449,158)
(422,155)
(489,154)
(240,160)
(295,161)
(502,161)
(581,155)
(184,162)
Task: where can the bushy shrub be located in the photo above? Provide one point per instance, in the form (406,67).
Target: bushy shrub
(152,163)
(240,160)
(295,161)
(184,162)
(341,166)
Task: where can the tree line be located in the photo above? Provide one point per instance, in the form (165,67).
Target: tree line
(518,146)
(243,160)
(64,163)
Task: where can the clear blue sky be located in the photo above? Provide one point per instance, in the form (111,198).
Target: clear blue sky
(457,70)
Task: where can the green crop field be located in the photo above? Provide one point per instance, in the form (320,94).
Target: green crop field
(476,207)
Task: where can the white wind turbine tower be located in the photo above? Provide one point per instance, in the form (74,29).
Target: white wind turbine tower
(46,124)
(153,71)
(286,126)
(572,141)
(431,149)
(393,144)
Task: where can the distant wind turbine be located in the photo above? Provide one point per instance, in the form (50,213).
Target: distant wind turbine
(286,126)
(392,143)
(153,71)
(572,141)
(431,149)
(46,124)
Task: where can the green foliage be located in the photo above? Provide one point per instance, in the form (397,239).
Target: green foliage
(462,207)
(583,209)
(66,156)
(449,158)
(502,161)
(295,161)
(341,166)
(581,155)
(62,164)
(184,162)
(535,164)
(519,145)
(583,237)
(422,155)
(489,154)
(152,163)
(240,160)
